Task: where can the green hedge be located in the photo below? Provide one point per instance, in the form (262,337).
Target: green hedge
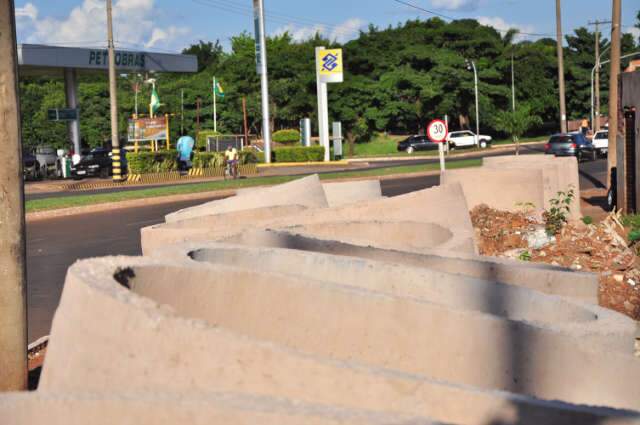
(286,137)
(295,154)
(159,162)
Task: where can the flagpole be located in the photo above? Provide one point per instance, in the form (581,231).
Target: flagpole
(215,112)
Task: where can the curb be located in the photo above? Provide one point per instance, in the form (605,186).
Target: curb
(497,148)
(304,164)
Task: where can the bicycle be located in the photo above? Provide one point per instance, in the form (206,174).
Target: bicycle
(231,170)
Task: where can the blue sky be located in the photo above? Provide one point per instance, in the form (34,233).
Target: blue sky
(171,25)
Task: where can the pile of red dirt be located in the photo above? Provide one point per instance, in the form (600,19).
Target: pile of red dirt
(598,248)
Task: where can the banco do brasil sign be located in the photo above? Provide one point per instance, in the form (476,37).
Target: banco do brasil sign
(100,58)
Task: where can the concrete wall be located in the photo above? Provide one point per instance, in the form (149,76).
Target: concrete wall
(193,329)
(559,174)
(341,193)
(540,277)
(500,189)
(594,324)
(202,307)
(306,192)
(442,207)
(207,409)
(344,193)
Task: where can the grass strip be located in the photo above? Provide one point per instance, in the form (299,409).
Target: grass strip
(46,204)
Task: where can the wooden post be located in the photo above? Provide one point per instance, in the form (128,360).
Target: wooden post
(166,116)
(13,306)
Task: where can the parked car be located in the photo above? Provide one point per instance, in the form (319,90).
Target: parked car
(416,143)
(30,166)
(48,159)
(601,142)
(463,139)
(571,144)
(97,163)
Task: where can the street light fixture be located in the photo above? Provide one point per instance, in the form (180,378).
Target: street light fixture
(471,65)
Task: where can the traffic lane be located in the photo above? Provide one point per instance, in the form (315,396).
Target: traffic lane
(593,174)
(525,150)
(396,187)
(54,245)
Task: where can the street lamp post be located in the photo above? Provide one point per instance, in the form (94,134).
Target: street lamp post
(472,65)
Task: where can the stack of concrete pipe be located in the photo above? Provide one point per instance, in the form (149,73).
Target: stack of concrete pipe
(291,306)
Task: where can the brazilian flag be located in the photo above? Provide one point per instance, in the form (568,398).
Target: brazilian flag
(217,89)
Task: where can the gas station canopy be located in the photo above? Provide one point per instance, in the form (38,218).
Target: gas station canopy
(41,59)
(68,62)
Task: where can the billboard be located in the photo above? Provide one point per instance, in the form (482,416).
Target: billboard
(146,129)
(330,65)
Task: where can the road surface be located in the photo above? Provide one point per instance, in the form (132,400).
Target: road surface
(53,245)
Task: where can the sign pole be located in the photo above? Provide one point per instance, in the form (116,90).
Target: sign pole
(261,56)
(329,69)
(437,132)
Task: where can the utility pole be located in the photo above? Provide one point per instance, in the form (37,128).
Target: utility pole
(113,95)
(596,118)
(563,106)
(182,112)
(613,87)
(513,99)
(198,101)
(13,305)
(261,57)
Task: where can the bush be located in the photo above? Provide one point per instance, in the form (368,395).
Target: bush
(152,162)
(160,162)
(286,137)
(299,154)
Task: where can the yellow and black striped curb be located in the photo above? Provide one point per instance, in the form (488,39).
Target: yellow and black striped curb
(166,177)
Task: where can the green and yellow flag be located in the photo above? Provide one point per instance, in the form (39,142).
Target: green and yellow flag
(217,89)
(155,102)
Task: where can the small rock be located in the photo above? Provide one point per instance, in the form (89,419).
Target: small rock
(576,267)
(631,282)
(618,278)
(539,239)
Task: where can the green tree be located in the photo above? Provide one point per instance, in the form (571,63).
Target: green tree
(516,123)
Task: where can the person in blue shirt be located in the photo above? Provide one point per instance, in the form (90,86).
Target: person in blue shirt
(185,152)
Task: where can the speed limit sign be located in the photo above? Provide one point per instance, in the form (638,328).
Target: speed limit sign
(437,131)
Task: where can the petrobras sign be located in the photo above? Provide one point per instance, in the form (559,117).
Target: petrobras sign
(123,59)
(329,65)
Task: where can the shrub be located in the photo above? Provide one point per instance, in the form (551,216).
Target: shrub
(557,216)
(152,162)
(299,154)
(159,162)
(286,137)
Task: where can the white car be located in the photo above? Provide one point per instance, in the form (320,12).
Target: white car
(601,142)
(461,139)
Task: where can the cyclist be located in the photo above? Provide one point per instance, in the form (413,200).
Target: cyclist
(231,158)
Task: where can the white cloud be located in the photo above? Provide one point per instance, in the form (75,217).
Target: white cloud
(501,25)
(133,26)
(635,32)
(28,11)
(343,32)
(455,4)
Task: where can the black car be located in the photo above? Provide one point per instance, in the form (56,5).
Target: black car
(571,144)
(30,166)
(97,163)
(416,143)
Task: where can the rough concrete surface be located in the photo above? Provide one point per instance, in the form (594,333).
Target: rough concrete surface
(203,409)
(501,189)
(559,175)
(305,191)
(217,333)
(540,277)
(294,305)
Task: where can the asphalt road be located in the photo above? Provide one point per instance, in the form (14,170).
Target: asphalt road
(53,245)
(525,149)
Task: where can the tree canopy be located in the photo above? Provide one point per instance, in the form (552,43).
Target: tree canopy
(396,79)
